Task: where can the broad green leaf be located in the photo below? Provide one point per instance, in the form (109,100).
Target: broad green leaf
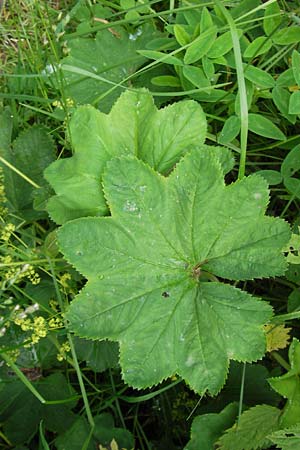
(259,77)
(230,130)
(281,98)
(149,267)
(288,385)
(272,18)
(134,126)
(262,126)
(206,429)
(57,417)
(76,437)
(99,356)
(162,57)
(287,35)
(253,429)
(258,47)
(296,66)
(31,153)
(288,439)
(200,46)
(271,176)
(289,171)
(104,433)
(111,57)
(257,390)
(294,106)
(21,412)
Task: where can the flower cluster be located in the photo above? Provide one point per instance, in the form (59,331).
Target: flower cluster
(55,322)
(37,326)
(64,349)
(16,274)
(7,231)
(58,104)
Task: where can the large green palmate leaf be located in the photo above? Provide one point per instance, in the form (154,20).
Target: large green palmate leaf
(151,263)
(133,127)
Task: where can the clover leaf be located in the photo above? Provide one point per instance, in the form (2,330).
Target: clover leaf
(152,269)
(133,127)
(288,385)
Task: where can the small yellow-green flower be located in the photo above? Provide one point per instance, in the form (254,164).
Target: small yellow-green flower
(55,322)
(64,349)
(40,326)
(7,232)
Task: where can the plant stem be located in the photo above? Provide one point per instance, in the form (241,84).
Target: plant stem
(242,393)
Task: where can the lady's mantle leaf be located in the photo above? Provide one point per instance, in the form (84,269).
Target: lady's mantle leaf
(97,68)
(149,267)
(133,127)
(288,386)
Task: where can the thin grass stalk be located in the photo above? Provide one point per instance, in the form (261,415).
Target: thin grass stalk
(241,86)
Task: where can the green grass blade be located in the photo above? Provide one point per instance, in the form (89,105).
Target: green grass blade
(23,378)
(241,85)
